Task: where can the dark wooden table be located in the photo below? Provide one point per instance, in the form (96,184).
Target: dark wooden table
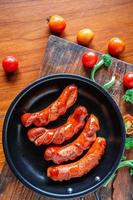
(24,33)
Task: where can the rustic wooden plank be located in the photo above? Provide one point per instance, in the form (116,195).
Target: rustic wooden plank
(64,57)
(24,33)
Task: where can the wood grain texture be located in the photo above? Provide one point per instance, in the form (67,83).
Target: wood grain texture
(65,57)
(61,56)
(24,33)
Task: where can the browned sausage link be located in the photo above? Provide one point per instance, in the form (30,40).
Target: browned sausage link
(73,150)
(80,167)
(53,111)
(58,135)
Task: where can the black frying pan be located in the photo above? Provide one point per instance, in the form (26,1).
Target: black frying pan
(26,160)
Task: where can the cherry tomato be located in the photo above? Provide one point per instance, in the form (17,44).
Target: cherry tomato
(57,24)
(89,59)
(116,46)
(85,36)
(10,64)
(128,80)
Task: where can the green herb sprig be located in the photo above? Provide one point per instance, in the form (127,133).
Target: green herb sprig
(106,60)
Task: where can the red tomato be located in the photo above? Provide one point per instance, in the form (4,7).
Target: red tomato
(57,24)
(116,46)
(89,59)
(128,80)
(10,64)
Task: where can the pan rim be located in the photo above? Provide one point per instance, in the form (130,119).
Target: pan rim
(5,128)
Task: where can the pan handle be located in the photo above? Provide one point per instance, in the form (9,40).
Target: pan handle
(97,196)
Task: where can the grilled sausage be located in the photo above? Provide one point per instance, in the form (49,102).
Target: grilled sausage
(54,110)
(80,167)
(58,135)
(71,151)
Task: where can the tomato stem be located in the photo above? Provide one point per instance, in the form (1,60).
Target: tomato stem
(48,18)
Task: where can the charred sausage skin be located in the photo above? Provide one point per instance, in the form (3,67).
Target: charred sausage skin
(80,167)
(74,149)
(58,135)
(54,110)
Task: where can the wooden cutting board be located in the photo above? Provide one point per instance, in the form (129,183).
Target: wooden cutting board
(62,56)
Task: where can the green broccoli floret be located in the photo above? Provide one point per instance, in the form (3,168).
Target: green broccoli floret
(107,59)
(128,96)
(129,143)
